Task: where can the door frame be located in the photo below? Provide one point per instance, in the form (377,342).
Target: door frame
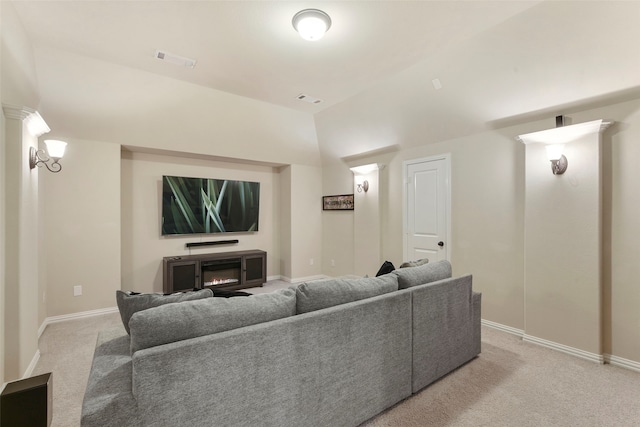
(405,200)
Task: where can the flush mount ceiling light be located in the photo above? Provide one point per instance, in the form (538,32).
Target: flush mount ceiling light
(311,24)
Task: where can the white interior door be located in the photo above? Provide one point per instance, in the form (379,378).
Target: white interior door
(427,202)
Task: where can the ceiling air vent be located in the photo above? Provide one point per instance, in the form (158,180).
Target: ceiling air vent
(309,99)
(175,59)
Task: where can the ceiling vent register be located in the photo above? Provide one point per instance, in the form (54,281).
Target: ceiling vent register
(309,99)
(175,59)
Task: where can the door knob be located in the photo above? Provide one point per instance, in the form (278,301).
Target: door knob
(441,243)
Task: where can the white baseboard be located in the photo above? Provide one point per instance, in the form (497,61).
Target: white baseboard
(621,362)
(32,365)
(73,316)
(503,328)
(593,357)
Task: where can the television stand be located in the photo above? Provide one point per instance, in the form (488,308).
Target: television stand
(222,270)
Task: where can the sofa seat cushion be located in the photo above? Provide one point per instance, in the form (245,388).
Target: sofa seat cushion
(108,399)
(414,276)
(176,322)
(321,294)
(131,303)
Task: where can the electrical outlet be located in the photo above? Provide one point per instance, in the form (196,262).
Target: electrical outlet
(44,297)
(310,261)
(77,291)
(333,263)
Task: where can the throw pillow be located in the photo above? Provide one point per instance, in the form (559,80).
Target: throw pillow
(176,322)
(426,273)
(386,267)
(415,263)
(130,303)
(321,294)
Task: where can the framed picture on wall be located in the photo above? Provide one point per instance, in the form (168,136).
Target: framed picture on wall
(343,202)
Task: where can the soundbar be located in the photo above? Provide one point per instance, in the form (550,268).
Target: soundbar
(217,242)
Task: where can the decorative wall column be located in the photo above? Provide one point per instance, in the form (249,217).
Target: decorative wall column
(367,220)
(23,126)
(563,241)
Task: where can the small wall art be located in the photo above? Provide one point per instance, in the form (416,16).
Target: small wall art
(343,202)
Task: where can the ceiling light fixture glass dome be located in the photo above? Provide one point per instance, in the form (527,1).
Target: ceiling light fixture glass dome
(311,24)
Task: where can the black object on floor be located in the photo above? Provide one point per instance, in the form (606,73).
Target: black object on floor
(27,402)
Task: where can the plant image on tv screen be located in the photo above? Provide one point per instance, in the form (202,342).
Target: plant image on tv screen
(201,205)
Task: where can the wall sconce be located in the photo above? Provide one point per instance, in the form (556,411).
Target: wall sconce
(360,171)
(558,161)
(55,149)
(363,186)
(555,139)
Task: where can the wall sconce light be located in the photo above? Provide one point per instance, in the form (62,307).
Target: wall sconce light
(55,149)
(363,186)
(359,172)
(311,24)
(558,161)
(554,139)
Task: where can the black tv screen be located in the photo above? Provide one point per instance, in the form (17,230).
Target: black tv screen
(202,205)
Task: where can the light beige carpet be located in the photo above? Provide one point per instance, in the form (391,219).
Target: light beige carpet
(512,383)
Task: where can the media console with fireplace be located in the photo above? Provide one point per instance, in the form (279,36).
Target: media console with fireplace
(224,270)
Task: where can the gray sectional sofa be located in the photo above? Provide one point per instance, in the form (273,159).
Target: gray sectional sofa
(334,352)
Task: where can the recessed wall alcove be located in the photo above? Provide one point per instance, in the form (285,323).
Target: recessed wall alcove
(563,241)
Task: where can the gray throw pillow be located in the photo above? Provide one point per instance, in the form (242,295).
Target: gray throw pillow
(176,322)
(426,273)
(129,304)
(321,294)
(415,263)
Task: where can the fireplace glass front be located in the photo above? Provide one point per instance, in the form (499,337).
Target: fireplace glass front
(220,272)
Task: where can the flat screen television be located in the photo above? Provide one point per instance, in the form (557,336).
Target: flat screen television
(202,205)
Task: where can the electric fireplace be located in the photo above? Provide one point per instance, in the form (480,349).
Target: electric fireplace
(220,272)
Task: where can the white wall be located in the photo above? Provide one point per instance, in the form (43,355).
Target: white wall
(285,222)
(621,211)
(82,219)
(84,98)
(20,219)
(3,237)
(337,226)
(367,226)
(488,172)
(19,82)
(563,246)
(306,223)
(143,246)
(21,247)
(2,210)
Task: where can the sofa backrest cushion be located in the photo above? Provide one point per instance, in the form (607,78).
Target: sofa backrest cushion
(128,304)
(426,273)
(176,322)
(321,294)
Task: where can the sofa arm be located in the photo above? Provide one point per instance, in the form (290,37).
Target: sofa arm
(446,328)
(108,400)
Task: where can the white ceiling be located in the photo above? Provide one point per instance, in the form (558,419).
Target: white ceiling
(502,54)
